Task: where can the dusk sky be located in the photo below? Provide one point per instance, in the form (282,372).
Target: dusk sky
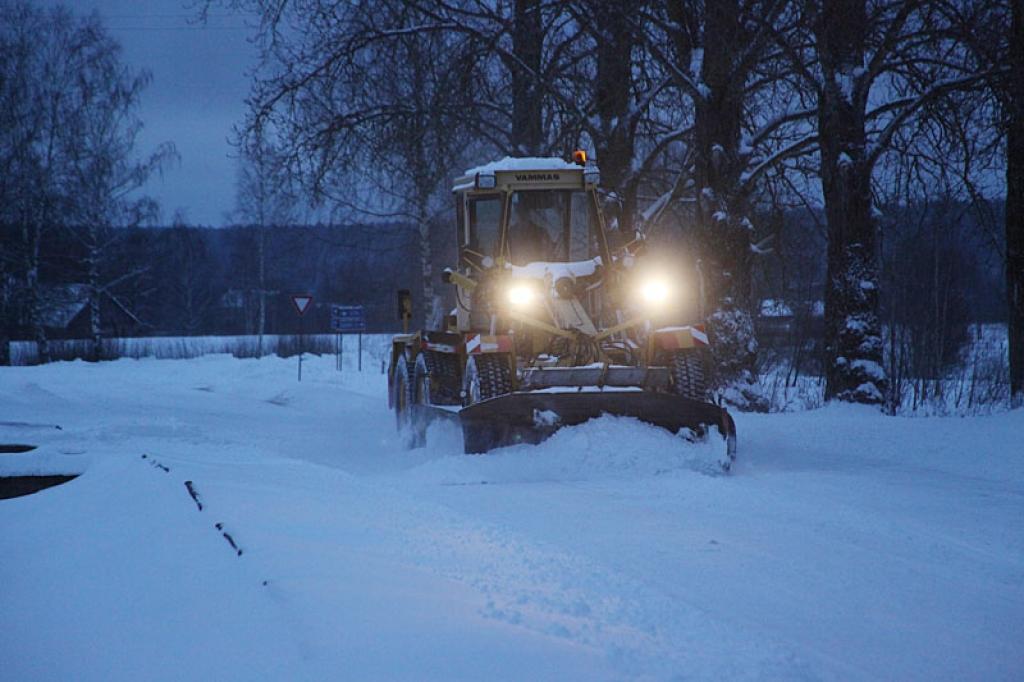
(196,96)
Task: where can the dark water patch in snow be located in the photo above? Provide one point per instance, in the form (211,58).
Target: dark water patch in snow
(30,425)
(15,448)
(19,486)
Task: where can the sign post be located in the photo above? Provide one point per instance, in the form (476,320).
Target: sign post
(302,303)
(348,319)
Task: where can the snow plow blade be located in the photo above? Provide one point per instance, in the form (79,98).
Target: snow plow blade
(530,417)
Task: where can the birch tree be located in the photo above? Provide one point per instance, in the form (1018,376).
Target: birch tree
(70,125)
(264,200)
(105,174)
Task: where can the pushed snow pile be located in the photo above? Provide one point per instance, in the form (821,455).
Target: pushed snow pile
(607,447)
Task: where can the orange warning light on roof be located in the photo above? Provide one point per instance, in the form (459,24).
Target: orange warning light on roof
(579,157)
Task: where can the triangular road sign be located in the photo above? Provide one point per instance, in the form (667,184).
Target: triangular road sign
(302,302)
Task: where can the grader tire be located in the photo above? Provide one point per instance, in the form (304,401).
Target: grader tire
(487,376)
(689,374)
(403,389)
(438,377)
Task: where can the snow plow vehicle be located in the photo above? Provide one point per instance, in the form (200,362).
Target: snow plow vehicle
(558,320)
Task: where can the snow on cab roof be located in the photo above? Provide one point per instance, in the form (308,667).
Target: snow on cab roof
(512,163)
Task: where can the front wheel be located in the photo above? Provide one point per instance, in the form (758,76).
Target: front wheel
(487,376)
(689,374)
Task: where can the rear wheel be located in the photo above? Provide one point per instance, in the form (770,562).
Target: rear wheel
(438,378)
(403,391)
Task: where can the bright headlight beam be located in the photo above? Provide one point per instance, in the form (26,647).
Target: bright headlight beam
(520,295)
(654,291)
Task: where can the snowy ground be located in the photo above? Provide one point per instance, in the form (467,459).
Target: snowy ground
(845,546)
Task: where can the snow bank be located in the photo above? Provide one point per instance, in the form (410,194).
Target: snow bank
(184,347)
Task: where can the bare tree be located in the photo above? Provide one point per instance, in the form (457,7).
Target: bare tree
(367,107)
(191,296)
(1014,113)
(35,96)
(264,199)
(993,34)
(871,67)
(723,68)
(106,175)
(69,143)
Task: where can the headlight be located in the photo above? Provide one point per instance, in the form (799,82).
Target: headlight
(654,291)
(521,295)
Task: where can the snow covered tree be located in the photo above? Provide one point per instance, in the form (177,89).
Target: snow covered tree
(871,67)
(852,328)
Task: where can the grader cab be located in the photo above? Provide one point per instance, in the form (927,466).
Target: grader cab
(558,320)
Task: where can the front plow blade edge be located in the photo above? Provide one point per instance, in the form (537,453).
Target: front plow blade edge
(532,417)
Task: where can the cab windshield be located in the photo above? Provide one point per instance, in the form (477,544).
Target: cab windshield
(551,226)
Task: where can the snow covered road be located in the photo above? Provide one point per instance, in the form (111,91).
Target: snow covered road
(845,545)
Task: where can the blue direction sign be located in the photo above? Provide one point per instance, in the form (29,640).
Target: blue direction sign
(348,318)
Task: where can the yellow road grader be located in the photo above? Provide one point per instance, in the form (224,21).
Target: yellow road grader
(558,320)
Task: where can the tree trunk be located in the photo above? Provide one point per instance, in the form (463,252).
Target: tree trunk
(430,314)
(722,210)
(853,340)
(527,44)
(32,235)
(1015,205)
(95,332)
(262,323)
(615,142)
(6,316)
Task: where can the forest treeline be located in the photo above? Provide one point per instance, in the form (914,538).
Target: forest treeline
(190,280)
